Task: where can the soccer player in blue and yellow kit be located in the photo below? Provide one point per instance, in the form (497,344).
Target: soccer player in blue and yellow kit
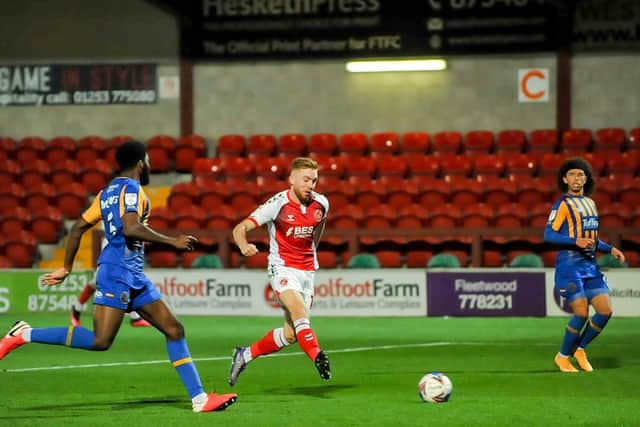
(122,286)
(573,226)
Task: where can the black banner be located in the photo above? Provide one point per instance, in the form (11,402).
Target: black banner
(29,85)
(244,29)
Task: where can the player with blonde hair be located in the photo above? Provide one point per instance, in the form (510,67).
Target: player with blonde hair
(295,220)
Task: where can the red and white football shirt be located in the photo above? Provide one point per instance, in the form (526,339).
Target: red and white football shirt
(291,227)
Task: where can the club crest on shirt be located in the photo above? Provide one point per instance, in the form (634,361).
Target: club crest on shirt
(284,281)
(318,215)
(130,199)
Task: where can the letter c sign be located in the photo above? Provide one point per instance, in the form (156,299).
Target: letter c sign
(533,85)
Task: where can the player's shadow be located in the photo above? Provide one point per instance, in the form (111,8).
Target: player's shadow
(320,391)
(110,405)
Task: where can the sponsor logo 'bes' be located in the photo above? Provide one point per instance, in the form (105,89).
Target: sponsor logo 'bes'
(300,231)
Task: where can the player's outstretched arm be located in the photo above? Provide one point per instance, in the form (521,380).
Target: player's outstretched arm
(132,227)
(240,237)
(73,243)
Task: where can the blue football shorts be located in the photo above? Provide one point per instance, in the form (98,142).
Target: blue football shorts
(121,288)
(573,287)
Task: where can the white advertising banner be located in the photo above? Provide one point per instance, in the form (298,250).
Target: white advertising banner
(624,290)
(337,292)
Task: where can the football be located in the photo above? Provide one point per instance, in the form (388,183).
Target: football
(435,387)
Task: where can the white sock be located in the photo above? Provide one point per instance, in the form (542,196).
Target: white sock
(77,306)
(199,399)
(134,315)
(26,335)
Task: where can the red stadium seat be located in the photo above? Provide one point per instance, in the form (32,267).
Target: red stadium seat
(89,149)
(416,142)
(208,168)
(478,141)
(271,167)
(550,163)
(222,217)
(230,146)
(39,197)
(447,142)
(424,166)
(385,142)
(455,164)
(60,149)
(189,218)
(7,147)
(497,191)
(367,194)
(398,190)
(464,191)
(353,143)
(9,172)
(20,249)
(389,259)
(243,201)
(187,150)
(511,216)
(511,141)
(30,149)
(261,145)
(543,140)
(160,149)
(360,166)
(628,192)
(610,139)
(531,193)
(327,259)
(46,225)
(162,259)
(35,172)
(292,144)
(11,197)
(15,221)
(478,216)
(597,161)
(331,166)
(323,144)
(418,258)
(444,216)
(518,164)
(634,140)
(238,167)
(72,200)
(488,164)
(183,194)
(622,164)
(432,193)
(258,260)
(96,176)
(161,218)
(65,173)
(390,165)
(492,258)
(576,141)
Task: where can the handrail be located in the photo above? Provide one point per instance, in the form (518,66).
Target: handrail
(224,240)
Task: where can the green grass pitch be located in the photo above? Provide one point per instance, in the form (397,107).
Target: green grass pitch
(502,371)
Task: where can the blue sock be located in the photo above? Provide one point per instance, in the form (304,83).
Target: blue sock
(181,359)
(572,335)
(593,329)
(71,336)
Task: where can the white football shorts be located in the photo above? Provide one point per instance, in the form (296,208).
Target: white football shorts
(285,278)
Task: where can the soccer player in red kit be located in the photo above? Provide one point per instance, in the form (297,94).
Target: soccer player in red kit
(295,219)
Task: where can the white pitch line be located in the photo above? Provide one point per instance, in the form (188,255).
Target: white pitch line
(207,359)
